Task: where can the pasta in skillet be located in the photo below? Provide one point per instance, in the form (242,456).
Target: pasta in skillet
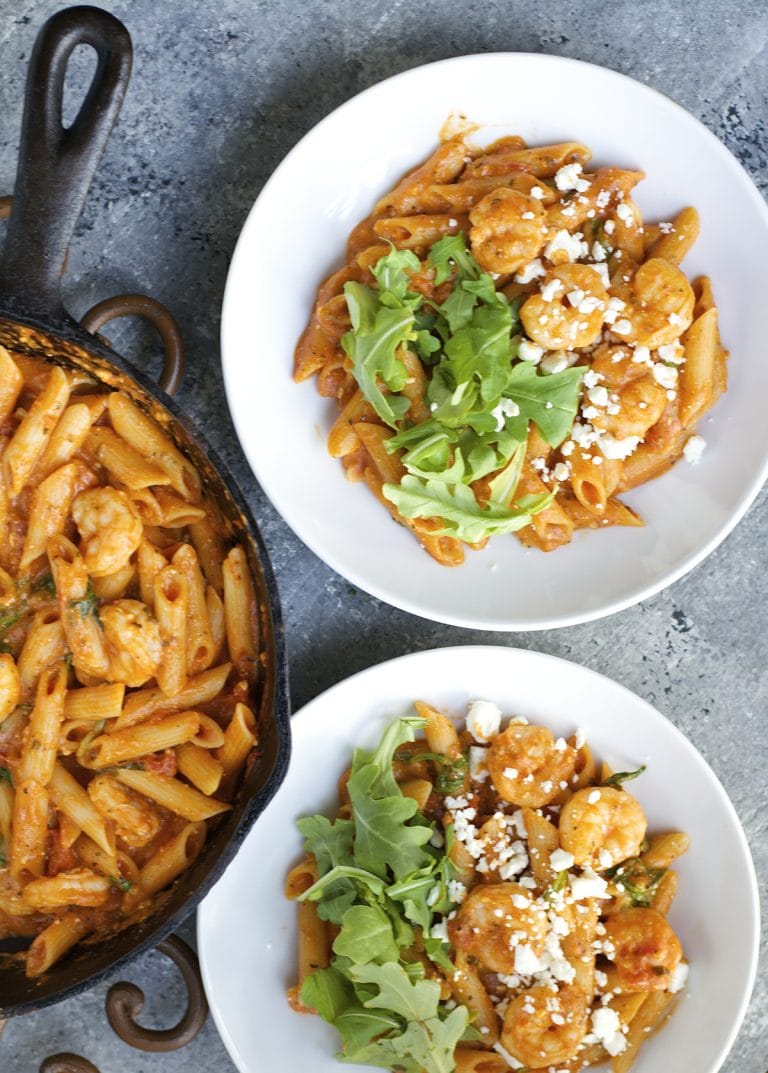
(485,900)
(511,348)
(129,644)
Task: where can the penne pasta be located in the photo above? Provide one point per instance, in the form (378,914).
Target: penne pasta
(171,859)
(141,433)
(172,794)
(199,642)
(202,769)
(54,941)
(240,612)
(239,738)
(199,690)
(122,746)
(172,609)
(73,801)
(34,431)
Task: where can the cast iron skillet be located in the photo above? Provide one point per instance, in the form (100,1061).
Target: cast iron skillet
(55,169)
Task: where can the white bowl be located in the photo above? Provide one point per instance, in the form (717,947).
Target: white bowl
(247,929)
(295,235)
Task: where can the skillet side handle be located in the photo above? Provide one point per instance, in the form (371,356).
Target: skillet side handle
(56,164)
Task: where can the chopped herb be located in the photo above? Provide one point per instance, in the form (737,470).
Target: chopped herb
(10,618)
(623,776)
(97,729)
(452,772)
(89,604)
(45,583)
(3,860)
(556,886)
(5,647)
(5,775)
(122,884)
(637,880)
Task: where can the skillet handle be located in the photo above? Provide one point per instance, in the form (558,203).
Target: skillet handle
(57,163)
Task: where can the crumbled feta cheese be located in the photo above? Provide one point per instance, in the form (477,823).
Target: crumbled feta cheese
(602,199)
(561,860)
(598,252)
(556,361)
(623,326)
(665,227)
(580,737)
(457,892)
(564,242)
(602,271)
(605,858)
(529,351)
(618,449)
(510,773)
(675,319)
(440,931)
(678,978)
(478,763)
(606,1025)
(528,273)
(506,408)
(528,216)
(588,885)
(624,213)
(614,307)
(694,449)
(666,375)
(526,962)
(561,471)
(641,355)
(550,290)
(483,720)
(609,227)
(593,797)
(568,178)
(537,192)
(671,352)
(598,395)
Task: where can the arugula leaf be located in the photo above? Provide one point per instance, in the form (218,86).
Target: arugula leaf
(449,255)
(334,998)
(366,935)
(397,733)
(459,510)
(391,272)
(428,1043)
(620,777)
(377,333)
(383,838)
(343,871)
(504,484)
(480,351)
(329,843)
(549,401)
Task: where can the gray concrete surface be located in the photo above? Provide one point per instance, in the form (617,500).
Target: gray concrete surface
(221,90)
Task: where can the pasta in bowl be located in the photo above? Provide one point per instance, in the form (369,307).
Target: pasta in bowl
(247,928)
(355,157)
(510,347)
(486,899)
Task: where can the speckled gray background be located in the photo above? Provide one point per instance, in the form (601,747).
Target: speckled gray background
(221,90)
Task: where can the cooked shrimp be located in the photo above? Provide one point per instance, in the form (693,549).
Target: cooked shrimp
(647,951)
(641,404)
(494,921)
(133,641)
(110,527)
(602,826)
(568,311)
(614,365)
(508,230)
(527,765)
(659,304)
(545,1028)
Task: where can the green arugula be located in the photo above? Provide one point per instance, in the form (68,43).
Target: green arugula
(382,882)
(620,777)
(459,510)
(5,775)
(122,884)
(482,399)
